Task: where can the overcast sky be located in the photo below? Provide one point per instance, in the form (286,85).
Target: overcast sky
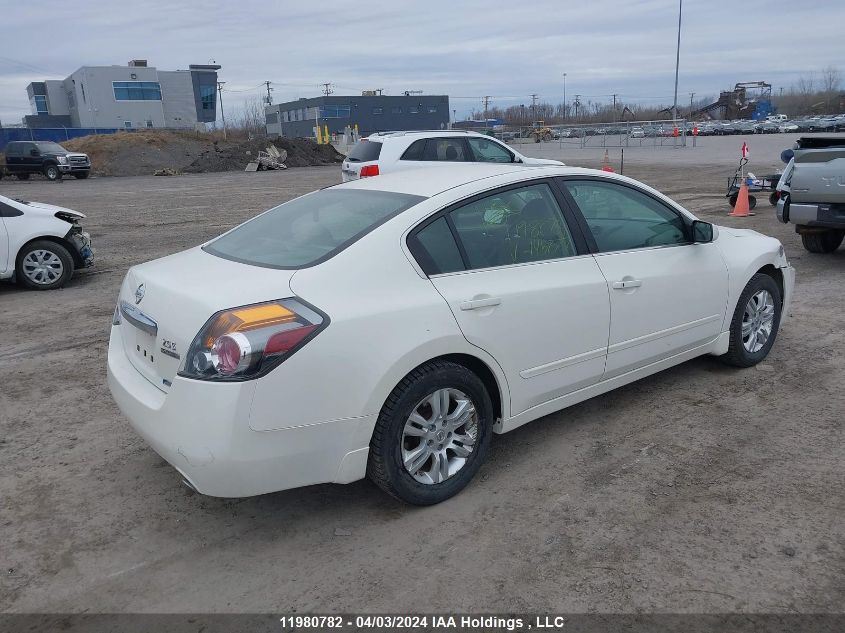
(466,49)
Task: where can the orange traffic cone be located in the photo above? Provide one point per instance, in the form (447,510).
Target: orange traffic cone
(605,163)
(741,208)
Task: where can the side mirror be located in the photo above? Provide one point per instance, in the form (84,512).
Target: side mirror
(786,155)
(702,232)
(34,152)
(516,159)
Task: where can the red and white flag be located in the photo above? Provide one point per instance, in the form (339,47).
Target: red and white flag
(745,150)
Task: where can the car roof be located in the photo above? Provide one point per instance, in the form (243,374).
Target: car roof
(430,181)
(382,136)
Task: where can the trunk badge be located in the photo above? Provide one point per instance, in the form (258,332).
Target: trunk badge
(139,294)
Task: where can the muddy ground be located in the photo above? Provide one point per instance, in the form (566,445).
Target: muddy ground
(701,489)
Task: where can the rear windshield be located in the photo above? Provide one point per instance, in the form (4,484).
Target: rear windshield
(365,151)
(310,229)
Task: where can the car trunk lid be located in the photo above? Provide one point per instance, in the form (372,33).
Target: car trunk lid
(165,303)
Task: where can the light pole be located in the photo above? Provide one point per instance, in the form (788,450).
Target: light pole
(677,60)
(564,96)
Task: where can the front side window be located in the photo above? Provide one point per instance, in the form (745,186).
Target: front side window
(48,147)
(136,90)
(516,226)
(310,229)
(445,149)
(485,151)
(623,218)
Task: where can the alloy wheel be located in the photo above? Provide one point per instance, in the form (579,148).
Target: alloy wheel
(439,436)
(757,321)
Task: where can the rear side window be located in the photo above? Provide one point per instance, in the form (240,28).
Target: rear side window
(515,226)
(14,149)
(310,229)
(435,249)
(445,149)
(365,151)
(415,151)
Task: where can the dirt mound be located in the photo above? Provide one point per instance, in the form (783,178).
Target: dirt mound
(302,152)
(143,153)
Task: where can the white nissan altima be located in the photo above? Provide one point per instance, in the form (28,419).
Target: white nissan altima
(388,326)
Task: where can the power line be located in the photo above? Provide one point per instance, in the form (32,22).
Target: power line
(327,88)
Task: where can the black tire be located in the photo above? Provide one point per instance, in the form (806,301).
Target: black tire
(81,175)
(752,202)
(826,242)
(45,245)
(737,355)
(385,467)
(547,137)
(22,176)
(773,198)
(732,199)
(52,172)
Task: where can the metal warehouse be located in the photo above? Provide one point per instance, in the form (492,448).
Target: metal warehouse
(131,96)
(371,113)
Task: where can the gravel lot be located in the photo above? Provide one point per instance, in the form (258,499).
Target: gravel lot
(701,489)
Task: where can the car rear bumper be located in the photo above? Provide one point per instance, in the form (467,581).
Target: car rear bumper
(202,429)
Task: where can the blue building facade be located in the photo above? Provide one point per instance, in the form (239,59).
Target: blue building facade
(371,113)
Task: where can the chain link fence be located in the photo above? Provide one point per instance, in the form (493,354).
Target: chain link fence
(663,133)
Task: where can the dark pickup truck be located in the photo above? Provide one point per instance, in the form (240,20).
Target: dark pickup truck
(43,157)
(812,191)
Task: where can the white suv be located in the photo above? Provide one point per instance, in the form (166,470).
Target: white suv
(386,152)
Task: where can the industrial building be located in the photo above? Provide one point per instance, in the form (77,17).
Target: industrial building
(370,112)
(131,96)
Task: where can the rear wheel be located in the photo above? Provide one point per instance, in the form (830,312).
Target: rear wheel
(755,322)
(825,242)
(81,175)
(432,434)
(44,265)
(52,172)
(773,198)
(752,202)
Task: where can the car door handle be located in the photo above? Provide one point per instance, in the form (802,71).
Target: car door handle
(475,304)
(628,283)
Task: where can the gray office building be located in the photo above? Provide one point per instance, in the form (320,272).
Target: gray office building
(372,113)
(131,96)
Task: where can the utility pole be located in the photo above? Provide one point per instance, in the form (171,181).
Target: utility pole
(691,97)
(534,107)
(327,88)
(564,96)
(220,99)
(577,103)
(269,98)
(454,117)
(486,100)
(677,59)
(614,106)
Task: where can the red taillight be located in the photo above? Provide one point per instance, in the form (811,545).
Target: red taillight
(369,170)
(247,342)
(282,342)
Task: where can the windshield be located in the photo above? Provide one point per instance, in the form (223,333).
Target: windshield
(310,229)
(50,147)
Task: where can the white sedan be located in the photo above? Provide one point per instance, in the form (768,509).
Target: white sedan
(388,326)
(41,244)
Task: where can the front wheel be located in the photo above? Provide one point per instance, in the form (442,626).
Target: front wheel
(44,265)
(755,322)
(432,434)
(52,172)
(825,242)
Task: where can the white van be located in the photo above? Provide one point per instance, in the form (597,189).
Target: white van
(776,118)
